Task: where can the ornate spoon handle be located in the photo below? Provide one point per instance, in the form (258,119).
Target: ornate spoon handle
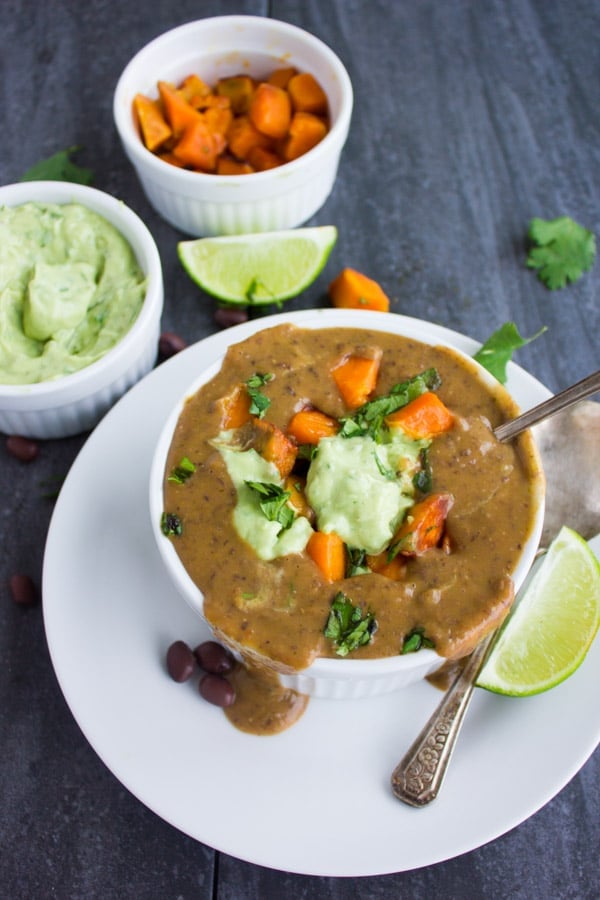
(418,777)
(584,388)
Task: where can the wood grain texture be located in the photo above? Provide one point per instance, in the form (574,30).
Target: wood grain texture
(471,117)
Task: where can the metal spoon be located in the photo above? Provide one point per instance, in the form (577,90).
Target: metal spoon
(418,777)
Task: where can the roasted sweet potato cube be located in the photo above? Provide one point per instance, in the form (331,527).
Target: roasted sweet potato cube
(242,137)
(235,408)
(226,165)
(178,112)
(281,77)
(198,147)
(305,132)
(153,126)
(394,568)
(270,442)
(194,90)
(239,90)
(261,159)
(424,525)
(307,95)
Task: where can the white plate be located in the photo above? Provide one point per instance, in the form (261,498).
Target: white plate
(316,799)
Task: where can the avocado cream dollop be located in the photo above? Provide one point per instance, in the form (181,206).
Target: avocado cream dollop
(268,538)
(361,489)
(70,288)
(358,488)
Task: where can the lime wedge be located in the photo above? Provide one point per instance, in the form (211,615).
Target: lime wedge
(552,625)
(258,268)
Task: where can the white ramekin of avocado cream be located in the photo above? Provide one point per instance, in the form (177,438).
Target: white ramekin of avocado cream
(81,296)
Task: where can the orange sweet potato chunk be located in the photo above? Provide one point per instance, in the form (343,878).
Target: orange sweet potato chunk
(271,110)
(305,132)
(307,95)
(154,128)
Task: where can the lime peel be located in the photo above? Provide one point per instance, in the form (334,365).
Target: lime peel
(552,625)
(258,269)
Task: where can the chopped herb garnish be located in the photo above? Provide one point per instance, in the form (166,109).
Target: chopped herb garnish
(497,351)
(423,480)
(356,562)
(273,502)
(416,640)
(369,419)
(387,473)
(170,523)
(59,167)
(346,625)
(307,451)
(259,404)
(181,473)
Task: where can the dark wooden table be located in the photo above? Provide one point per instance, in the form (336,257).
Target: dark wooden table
(471,116)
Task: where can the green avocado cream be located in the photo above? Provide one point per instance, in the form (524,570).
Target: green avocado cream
(70,288)
(268,538)
(358,488)
(361,489)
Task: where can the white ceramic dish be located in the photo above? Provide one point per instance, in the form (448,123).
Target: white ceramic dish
(204,204)
(75,403)
(331,678)
(105,587)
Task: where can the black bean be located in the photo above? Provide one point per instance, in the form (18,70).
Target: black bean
(214,658)
(23,590)
(22,448)
(216,689)
(170,343)
(180,661)
(226,316)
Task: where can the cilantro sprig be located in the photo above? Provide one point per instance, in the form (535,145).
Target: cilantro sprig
(59,167)
(273,502)
(416,640)
(170,524)
(346,625)
(497,351)
(356,562)
(562,250)
(180,474)
(259,403)
(369,419)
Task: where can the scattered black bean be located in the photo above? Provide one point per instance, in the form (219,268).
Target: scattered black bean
(22,448)
(216,689)
(181,662)
(23,590)
(170,343)
(226,316)
(214,658)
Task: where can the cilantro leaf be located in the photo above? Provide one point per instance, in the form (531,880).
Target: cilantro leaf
(274,502)
(416,640)
(180,474)
(170,523)
(369,418)
(497,351)
(259,404)
(59,167)
(563,250)
(357,562)
(347,627)
(423,480)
